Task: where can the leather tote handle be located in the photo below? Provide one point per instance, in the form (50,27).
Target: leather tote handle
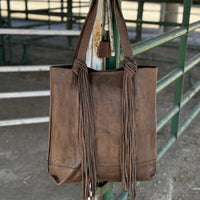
(91,10)
(83,42)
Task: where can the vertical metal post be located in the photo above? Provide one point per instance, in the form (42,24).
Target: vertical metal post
(162,16)
(181,65)
(69,21)
(49,17)
(9,37)
(191,82)
(26,9)
(139,20)
(2,47)
(62,10)
(113,62)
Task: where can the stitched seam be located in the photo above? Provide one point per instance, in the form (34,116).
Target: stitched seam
(63,166)
(146,162)
(141,163)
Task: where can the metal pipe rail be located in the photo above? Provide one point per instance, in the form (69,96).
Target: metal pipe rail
(14,31)
(174,109)
(145,45)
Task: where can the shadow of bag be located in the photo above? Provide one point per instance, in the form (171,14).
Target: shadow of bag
(102,123)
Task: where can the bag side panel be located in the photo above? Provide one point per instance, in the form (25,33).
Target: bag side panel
(64,156)
(145,115)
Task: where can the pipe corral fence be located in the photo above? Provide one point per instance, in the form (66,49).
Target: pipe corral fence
(177,75)
(70,14)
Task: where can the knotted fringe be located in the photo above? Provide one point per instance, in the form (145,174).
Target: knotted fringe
(86,131)
(128,151)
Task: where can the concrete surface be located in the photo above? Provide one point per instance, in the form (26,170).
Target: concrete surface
(23,173)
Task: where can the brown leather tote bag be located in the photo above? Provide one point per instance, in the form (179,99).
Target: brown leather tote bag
(102,123)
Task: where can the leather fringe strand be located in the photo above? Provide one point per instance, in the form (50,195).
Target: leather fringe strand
(128,151)
(86,131)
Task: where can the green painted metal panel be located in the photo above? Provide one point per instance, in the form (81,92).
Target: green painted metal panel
(113,62)
(139,20)
(2,46)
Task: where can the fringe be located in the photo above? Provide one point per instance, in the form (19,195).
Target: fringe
(128,151)
(86,131)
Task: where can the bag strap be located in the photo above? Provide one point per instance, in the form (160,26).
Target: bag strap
(85,35)
(86,31)
(83,30)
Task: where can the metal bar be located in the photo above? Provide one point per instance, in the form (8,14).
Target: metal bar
(26,9)
(10,95)
(13,31)
(159,59)
(154,22)
(189,119)
(139,19)
(175,108)
(168,144)
(14,122)
(62,9)
(167,116)
(190,93)
(176,45)
(38,24)
(181,65)
(192,62)
(190,77)
(113,62)
(168,79)
(182,127)
(2,46)
(147,44)
(194,26)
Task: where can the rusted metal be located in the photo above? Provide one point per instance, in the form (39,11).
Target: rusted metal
(92,60)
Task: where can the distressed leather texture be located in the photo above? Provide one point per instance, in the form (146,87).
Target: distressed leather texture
(64,153)
(106,94)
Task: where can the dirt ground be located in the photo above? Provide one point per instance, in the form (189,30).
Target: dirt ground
(23,174)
